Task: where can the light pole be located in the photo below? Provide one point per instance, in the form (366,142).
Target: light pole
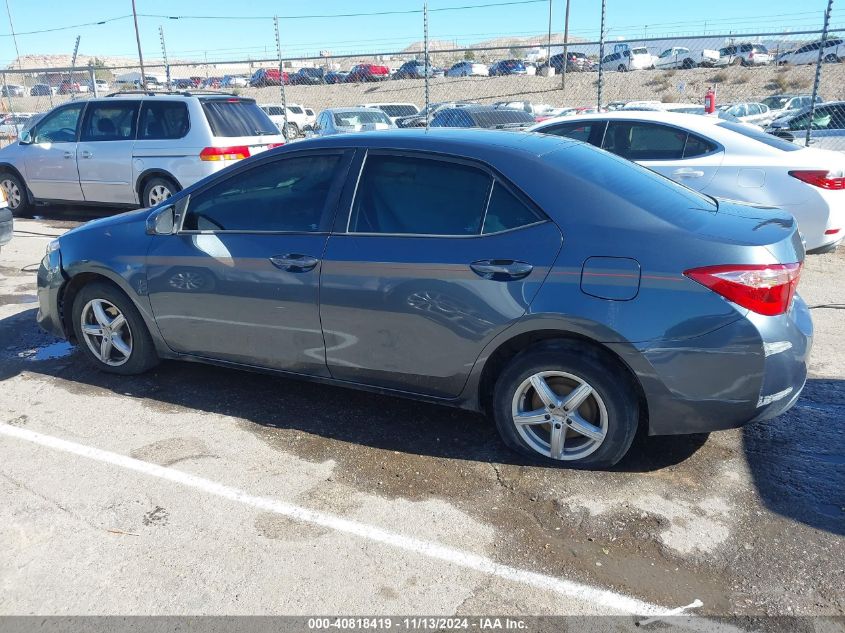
(565,47)
(140,55)
(549,41)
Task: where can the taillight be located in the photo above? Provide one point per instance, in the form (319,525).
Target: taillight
(225,153)
(822,178)
(763,288)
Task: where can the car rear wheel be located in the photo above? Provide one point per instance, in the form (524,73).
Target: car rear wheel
(292,131)
(16,196)
(688,63)
(566,405)
(621,68)
(157,190)
(111,331)
(831,59)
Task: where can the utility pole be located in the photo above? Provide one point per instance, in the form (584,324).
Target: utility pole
(140,55)
(565,48)
(601,52)
(549,42)
(14,37)
(818,77)
(285,128)
(73,67)
(164,55)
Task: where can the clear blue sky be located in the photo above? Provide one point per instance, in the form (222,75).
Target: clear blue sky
(240,38)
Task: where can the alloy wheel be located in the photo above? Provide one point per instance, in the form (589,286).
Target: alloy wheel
(13,193)
(159,193)
(559,415)
(106,332)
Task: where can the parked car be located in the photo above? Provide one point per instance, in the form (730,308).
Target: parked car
(417,69)
(336,76)
(234,81)
(578,62)
(184,84)
(264,77)
(827,126)
(298,119)
(212,83)
(660,301)
(743,55)
(629,59)
(342,120)
(419,119)
(12,90)
(12,124)
(43,90)
(308,77)
(682,57)
(787,105)
(727,160)
(483,116)
(834,52)
(534,109)
(468,69)
(130,149)
(508,67)
(68,86)
(368,72)
(751,112)
(393,110)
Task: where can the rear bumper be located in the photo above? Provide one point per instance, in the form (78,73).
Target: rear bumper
(752,369)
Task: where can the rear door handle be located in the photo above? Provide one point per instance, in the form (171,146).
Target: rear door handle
(87,154)
(686,172)
(294,262)
(68,154)
(501,269)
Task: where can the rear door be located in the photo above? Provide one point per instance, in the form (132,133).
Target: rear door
(684,157)
(50,160)
(436,257)
(105,148)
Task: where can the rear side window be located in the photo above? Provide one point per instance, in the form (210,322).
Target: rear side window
(505,211)
(410,195)
(755,133)
(112,121)
(289,195)
(237,117)
(163,120)
(644,141)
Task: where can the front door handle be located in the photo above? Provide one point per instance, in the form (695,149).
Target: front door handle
(686,172)
(68,154)
(294,262)
(501,269)
(87,154)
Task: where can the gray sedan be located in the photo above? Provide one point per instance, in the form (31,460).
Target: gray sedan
(571,295)
(342,120)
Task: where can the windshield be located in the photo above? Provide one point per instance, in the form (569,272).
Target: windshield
(360,117)
(639,51)
(237,117)
(776,103)
(756,134)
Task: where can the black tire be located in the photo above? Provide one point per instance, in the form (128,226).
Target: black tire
(142,356)
(155,185)
(612,386)
(831,59)
(16,195)
(292,131)
(621,68)
(688,64)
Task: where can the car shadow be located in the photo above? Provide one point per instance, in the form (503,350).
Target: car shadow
(797,460)
(273,401)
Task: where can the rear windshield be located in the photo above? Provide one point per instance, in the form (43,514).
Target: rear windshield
(493,118)
(398,110)
(360,117)
(639,51)
(759,135)
(237,117)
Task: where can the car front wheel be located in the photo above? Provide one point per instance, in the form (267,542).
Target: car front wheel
(15,192)
(567,405)
(111,331)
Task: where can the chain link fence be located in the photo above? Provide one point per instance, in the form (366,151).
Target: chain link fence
(762,78)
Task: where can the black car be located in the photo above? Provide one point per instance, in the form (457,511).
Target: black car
(577,62)
(308,77)
(489,117)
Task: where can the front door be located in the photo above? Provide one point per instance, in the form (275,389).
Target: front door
(437,258)
(104,154)
(239,282)
(50,160)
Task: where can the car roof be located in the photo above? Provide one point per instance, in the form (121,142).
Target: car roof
(349,109)
(691,121)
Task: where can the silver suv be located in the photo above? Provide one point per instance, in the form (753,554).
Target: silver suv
(132,149)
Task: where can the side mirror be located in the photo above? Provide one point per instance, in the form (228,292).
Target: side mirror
(25,137)
(162,221)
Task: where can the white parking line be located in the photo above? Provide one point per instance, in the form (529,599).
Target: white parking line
(593,596)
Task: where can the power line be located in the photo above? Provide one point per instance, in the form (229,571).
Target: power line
(67,28)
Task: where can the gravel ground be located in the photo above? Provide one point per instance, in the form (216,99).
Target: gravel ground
(751,521)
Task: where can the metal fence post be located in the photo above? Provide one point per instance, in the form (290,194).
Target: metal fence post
(92,78)
(565,51)
(8,96)
(601,53)
(281,78)
(164,56)
(426,63)
(818,77)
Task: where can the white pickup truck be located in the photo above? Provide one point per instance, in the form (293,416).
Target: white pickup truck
(682,57)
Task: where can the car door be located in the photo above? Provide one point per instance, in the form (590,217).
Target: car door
(50,159)
(674,152)
(239,281)
(105,151)
(435,257)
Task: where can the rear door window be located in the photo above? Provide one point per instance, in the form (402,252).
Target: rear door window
(644,141)
(419,196)
(112,121)
(237,117)
(163,120)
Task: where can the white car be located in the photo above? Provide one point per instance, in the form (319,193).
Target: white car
(12,124)
(629,59)
(725,159)
(342,120)
(682,57)
(746,54)
(393,110)
(834,51)
(298,118)
(786,105)
(468,69)
(750,112)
